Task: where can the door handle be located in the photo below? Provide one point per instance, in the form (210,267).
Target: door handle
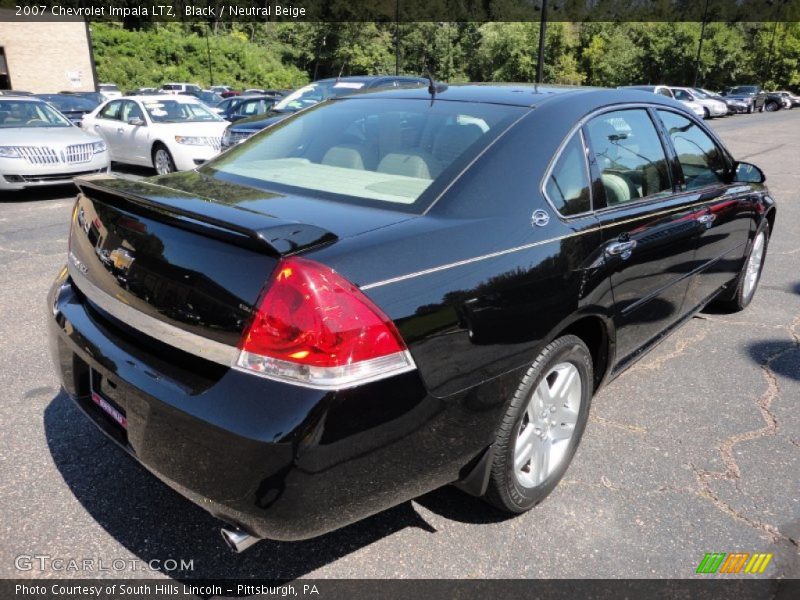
(707,219)
(623,249)
(120,130)
(97,126)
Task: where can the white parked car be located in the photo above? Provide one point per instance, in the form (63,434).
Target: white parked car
(179,88)
(109,91)
(168,133)
(711,107)
(40,146)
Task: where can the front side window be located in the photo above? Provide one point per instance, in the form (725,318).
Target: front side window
(249,108)
(111,110)
(683,95)
(131,110)
(568,184)
(701,160)
(365,150)
(629,155)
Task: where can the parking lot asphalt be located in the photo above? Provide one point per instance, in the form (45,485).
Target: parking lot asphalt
(696,449)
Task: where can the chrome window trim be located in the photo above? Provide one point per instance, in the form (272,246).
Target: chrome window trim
(588,117)
(551,167)
(170,335)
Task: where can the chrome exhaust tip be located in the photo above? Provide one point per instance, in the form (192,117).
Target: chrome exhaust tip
(237,540)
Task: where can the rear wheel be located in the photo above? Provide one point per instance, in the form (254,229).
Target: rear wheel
(542,426)
(706,113)
(771,106)
(746,283)
(162,160)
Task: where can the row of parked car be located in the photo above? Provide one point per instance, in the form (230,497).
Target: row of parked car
(734,100)
(51,138)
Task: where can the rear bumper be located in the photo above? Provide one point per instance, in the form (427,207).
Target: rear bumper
(279,461)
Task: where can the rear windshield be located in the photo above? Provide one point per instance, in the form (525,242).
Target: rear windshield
(382,152)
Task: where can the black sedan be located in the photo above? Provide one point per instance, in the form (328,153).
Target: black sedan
(395,291)
(71,106)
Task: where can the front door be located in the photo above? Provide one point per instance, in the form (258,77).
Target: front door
(648,233)
(725,208)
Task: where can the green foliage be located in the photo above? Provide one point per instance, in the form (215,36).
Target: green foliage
(168,52)
(288,54)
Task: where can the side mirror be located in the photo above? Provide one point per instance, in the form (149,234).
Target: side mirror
(748,173)
(136,122)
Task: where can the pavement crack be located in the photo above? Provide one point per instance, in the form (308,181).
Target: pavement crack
(617,424)
(732,471)
(680,347)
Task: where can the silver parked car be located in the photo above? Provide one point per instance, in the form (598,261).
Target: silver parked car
(40,146)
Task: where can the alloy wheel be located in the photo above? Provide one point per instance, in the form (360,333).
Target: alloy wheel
(163,162)
(754,265)
(548,425)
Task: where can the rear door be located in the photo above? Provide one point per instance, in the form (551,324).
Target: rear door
(725,209)
(648,230)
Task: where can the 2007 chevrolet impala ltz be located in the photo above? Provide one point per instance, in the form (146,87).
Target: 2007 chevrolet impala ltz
(394,291)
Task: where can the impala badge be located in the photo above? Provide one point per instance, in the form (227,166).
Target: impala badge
(540,218)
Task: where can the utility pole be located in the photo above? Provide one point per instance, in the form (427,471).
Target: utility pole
(542,32)
(766,72)
(700,44)
(208,55)
(397,37)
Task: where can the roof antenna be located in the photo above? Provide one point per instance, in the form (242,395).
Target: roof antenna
(339,76)
(431,84)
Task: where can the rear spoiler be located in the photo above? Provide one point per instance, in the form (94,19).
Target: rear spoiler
(212,218)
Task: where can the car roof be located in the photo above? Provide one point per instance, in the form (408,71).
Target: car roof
(521,94)
(162,97)
(23,98)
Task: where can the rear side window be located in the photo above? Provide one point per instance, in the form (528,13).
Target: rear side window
(665,92)
(629,155)
(701,160)
(568,184)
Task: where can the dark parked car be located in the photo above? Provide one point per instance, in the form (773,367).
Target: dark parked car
(394,291)
(751,94)
(96,97)
(207,97)
(734,106)
(71,106)
(311,94)
(243,107)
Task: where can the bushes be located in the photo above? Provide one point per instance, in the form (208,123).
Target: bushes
(168,52)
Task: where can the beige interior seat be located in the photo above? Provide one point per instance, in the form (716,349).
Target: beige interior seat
(345,157)
(618,189)
(410,165)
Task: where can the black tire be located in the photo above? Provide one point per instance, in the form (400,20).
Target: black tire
(706,113)
(738,297)
(505,491)
(162,163)
(750,109)
(771,106)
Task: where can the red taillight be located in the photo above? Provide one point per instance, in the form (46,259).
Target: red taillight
(315,328)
